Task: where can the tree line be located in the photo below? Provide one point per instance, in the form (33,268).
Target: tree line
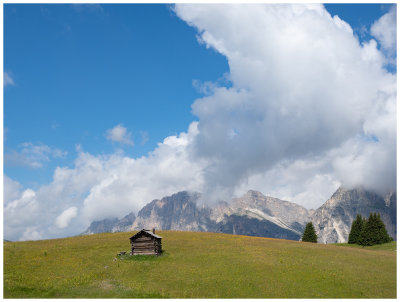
(367,232)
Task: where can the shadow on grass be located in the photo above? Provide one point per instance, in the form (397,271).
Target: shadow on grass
(22,292)
(28,292)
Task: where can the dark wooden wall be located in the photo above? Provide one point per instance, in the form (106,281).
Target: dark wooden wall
(145,245)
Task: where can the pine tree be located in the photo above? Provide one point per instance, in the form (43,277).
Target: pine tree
(366,236)
(356,229)
(374,231)
(383,236)
(309,234)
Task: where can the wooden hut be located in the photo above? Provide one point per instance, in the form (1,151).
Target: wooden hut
(145,242)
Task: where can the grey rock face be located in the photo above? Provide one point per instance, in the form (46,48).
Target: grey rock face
(176,212)
(254,214)
(246,225)
(101,226)
(125,223)
(286,214)
(332,221)
(111,225)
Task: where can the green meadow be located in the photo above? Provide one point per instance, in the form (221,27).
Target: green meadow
(197,265)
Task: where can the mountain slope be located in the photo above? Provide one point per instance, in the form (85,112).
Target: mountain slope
(176,212)
(283,213)
(247,224)
(111,225)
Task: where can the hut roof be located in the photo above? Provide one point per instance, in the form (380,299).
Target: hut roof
(147,232)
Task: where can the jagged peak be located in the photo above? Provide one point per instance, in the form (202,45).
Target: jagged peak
(184,193)
(254,193)
(361,191)
(130,215)
(257,196)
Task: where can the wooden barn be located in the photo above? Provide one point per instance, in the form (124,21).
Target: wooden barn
(145,242)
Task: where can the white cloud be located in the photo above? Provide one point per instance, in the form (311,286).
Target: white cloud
(63,220)
(20,214)
(33,156)
(12,189)
(205,88)
(305,181)
(31,233)
(119,134)
(7,79)
(302,86)
(384,29)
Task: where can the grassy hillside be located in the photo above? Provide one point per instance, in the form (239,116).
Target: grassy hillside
(391,246)
(196,265)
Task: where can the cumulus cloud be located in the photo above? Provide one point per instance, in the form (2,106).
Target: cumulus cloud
(13,191)
(306,181)
(65,217)
(308,109)
(120,135)
(31,233)
(302,86)
(20,215)
(7,79)
(384,29)
(103,186)
(31,155)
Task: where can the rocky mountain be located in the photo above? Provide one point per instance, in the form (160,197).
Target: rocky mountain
(286,214)
(246,224)
(254,214)
(257,215)
(176,212)
(332,221)
(111,225)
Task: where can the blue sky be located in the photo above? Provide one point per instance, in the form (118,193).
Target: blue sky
(79,71)
(91,92)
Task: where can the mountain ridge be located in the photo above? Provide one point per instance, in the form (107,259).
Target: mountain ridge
(255,214)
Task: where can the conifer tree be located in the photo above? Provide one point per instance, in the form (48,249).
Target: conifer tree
(383,236)
(309,234)
(374,231)
(365,237)
(367,234)
(356,229)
